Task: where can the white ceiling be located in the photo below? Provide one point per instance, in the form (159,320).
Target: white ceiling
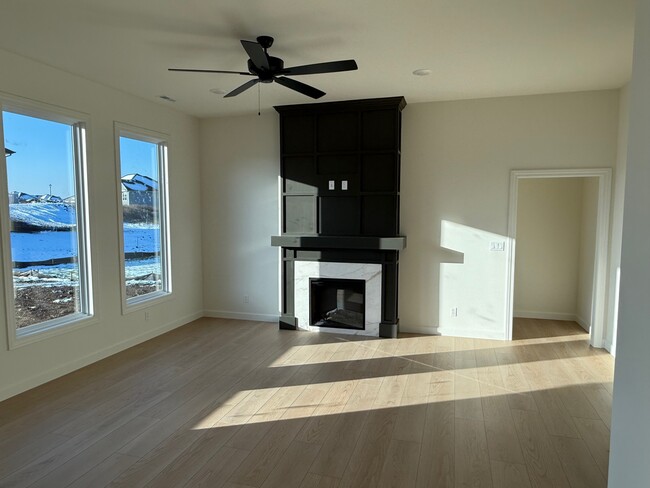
(475,48)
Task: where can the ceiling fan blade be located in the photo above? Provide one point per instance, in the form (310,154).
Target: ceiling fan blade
(330,67)
(256,53)
(242,88)
(310,91)
(211,71)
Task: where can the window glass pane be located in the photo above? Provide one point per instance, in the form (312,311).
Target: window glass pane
(43,218)
(140,170)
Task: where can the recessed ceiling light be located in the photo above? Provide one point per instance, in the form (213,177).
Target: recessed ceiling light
(218,91)
(166,98)
(422,72)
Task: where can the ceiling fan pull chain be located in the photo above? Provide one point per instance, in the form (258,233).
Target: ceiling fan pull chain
(259,101)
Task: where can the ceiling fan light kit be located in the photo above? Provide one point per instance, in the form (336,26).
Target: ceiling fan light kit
(269,69)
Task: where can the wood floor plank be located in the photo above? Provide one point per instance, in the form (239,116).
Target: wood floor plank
(437,452)
(317,481)
(70,460)
(509,475)
(502,441)
(576,402)
(105,472)
(257,466)
(578,463)
(367,459)
(472,458)
(14,459)
(21,432)
(94,455)
(542,462)
(179,471)
(601,400)
(555,416)
(225,403)
(215,472)
(401,465)
(339,445)
(118,425)
(292,467)
(596,436)
(325,415)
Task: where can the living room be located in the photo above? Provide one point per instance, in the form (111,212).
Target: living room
(457,155)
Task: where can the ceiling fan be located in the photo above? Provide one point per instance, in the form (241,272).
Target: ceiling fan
(268,69)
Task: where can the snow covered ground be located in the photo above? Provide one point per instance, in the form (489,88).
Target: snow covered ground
(51,216)
(140,272)
(30,247)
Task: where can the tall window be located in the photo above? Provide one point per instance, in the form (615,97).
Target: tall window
(44,231)
(143,196)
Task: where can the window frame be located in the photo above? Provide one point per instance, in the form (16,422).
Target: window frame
(161,140)
(79,123)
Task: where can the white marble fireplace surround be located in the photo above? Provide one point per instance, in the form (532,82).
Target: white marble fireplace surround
(370,273)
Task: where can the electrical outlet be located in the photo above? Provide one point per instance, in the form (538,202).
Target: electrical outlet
(146,316)
(245,298)
(344,185)
(454,312)
(332,185)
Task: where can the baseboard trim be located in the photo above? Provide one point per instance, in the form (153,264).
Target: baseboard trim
(525,314)
(69,367)
(226,314)
(441,331)
(418,330)
(471,333)
(582,323)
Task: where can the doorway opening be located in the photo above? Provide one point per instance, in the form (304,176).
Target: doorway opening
(570,265)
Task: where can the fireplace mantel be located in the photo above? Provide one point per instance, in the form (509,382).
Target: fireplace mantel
(397,243)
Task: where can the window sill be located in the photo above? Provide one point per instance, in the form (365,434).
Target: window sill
(51,328)
(145,301)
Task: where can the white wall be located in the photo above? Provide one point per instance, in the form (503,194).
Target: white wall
(587,252)
(36,363)
(456,162)
(240,159)
(549,215)
(616,236)
(629,466)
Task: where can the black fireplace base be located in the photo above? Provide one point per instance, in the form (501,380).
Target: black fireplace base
(389,331)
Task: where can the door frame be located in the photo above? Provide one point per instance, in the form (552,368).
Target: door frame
(599,287)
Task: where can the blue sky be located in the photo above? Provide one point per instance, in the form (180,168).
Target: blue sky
(44,156)
(139,157)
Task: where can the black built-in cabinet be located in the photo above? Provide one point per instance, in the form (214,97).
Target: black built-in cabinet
(357,144)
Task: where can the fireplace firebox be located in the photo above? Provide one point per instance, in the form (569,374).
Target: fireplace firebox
(338,303)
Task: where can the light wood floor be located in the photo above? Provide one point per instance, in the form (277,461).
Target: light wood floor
(220,403)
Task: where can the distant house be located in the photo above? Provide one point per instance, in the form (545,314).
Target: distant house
(138,189)
(20,197)
(50,199)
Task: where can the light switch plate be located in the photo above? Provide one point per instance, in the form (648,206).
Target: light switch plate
(497,246)
(332,185)
(344,185)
